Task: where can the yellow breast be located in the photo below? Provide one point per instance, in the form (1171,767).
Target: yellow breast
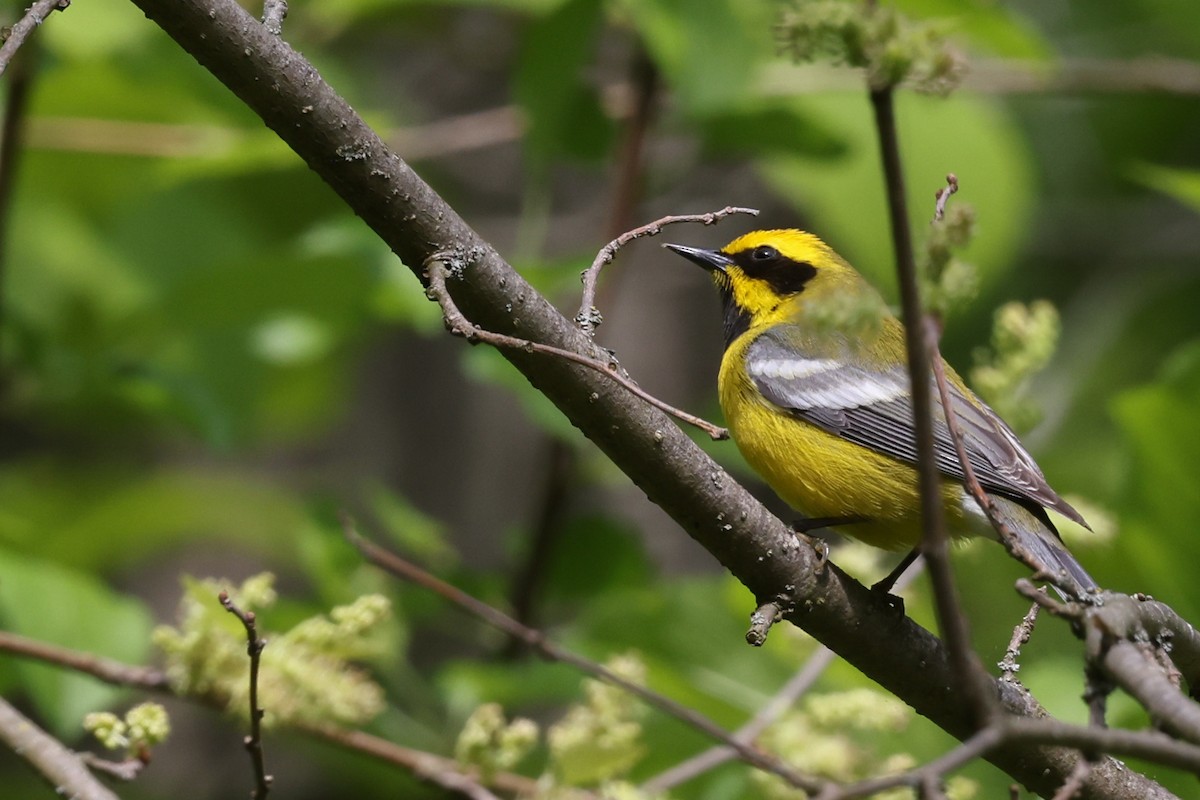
(820,474)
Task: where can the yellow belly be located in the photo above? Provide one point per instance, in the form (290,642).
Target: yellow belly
(823,475)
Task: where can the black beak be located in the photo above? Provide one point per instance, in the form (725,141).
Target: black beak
(709,259)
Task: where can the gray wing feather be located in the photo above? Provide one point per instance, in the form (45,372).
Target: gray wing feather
(874,409)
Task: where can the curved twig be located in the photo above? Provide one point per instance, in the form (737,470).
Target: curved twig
(395,565)
(458,324)
(589,318)
(253,742)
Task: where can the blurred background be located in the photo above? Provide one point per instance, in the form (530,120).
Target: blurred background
(204,356)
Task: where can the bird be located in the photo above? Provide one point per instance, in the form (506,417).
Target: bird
(821,409)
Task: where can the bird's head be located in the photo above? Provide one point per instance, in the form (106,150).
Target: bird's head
(762,274)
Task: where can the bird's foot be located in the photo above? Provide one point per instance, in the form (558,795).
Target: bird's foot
(819,545)
(894,601)
(884,587)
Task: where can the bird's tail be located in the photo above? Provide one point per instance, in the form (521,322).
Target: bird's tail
(1041,545)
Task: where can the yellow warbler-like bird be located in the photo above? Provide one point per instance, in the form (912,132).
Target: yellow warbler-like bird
(821,409)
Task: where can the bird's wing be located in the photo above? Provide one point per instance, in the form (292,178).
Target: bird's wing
(872,407)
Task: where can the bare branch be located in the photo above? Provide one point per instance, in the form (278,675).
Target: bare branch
(253,742)
(105,669)
(457,323)
(1008,537)
(935,539)
(942,195)
(420,763)
(394,565)
(1137,672)
(127,770)
(589,317)
(18,33)
(1020,635)
(1075,781)
(445,772)
(62,769)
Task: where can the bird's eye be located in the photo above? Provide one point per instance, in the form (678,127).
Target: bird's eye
(764,253)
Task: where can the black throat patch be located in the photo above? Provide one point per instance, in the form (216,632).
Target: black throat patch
(735,319)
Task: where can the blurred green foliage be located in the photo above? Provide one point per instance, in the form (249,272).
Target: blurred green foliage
(204,356)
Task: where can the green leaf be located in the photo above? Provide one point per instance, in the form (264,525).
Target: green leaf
(563,114)
(1181,184)
(94,31)
(992,27)
(76,514)
(51,603)
(1162,434)
(596,554)
(487,365)
(770,127)
(418,534)
(710,50)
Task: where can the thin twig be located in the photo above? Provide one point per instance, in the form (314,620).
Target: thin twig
(104,669)
(536,640)
(935,540)
(1008,537)
(21,30)
(127,770)
(253,742)
(1137,672)
(547,527)
(435,273)
(976,746)
(702,762)
(1097,687)
(12,135)
(434,768)
(1071,611)
(1149,745)
(1075,781)
(942,195)
(1020,635)
(418,762)
(589,317)
(787,697)
(761,621)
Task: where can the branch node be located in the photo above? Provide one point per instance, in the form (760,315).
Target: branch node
(765,616)
(274,13)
